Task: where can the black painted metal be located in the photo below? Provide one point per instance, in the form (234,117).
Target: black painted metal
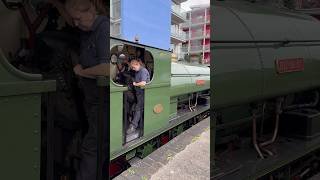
(103,145)
(50,137)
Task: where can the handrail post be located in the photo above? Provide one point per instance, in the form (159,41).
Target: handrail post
(103,147)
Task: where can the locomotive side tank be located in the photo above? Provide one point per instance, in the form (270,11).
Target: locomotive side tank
(265,81)
(187,79)
(262,52)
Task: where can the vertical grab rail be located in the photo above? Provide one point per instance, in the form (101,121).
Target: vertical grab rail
(50,136)
(103,145)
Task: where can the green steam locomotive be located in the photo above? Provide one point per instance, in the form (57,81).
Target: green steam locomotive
(41,104)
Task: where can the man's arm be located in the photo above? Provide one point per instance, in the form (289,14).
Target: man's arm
(140,84)
(103,67)
(143,82)
(98,70)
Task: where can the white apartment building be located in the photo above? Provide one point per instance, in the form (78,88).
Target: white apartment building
(178,36)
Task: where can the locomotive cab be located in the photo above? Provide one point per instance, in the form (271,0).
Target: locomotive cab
(122,75)
(156,103)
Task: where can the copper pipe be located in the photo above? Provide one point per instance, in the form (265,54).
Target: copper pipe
(196,103)
(190,105)
(254,135)
(262,119)
(275,132)
(267,151)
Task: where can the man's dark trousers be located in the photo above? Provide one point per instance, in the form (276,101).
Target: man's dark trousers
(88,165)
(138,114)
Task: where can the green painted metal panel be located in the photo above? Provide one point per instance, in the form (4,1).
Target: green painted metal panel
(184,77)
(20,130)
(116,121)
(156,94)
(188,88)
(280,84)
(15,82)
(245,72)
(153,121)
(237,74)
(162,66)
(26,87)
(197,70)
(179,77)
(116,111)
(10,73)
(20,137)
(173,106)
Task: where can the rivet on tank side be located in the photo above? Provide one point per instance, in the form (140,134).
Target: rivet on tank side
(35,167)
(35,132)
(35,114)
(35,149)
(6,100)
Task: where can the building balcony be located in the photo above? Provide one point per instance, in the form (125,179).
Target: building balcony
(178,16)
(184,49)
(177,56)
(207,35)
(180,56)
(206,61)
(195,49)
(178,1)
(185,25)
(196,34)
(208,19)
(195,22)
(177,35)
(207,48)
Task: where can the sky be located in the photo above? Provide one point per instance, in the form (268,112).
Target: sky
(186,5)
